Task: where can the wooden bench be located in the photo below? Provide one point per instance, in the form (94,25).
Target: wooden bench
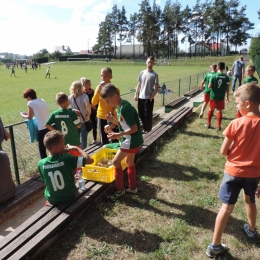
(155,116)
(193,92)
(170,106)
(198,101)
(42,229)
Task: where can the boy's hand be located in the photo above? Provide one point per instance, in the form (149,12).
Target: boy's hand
(69,147)
(101,84)
(136,97)
(151,99)
(257,192)
(227,100)
(113,135)
(76,177)
(77,112)
(107,129)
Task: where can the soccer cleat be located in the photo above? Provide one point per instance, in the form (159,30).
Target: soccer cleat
(253,236)
(114,196)
(218,128)
(129,190)
(207,126)
(211,252)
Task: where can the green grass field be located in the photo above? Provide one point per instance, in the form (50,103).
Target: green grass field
(124,76)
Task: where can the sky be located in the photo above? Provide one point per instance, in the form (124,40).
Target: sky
(27,26)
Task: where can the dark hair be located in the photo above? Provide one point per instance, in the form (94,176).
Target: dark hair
(107,70)
(221,65)
(52,138)
(29,92)
(61,98)
(109,90)
(214,66)
(151,58)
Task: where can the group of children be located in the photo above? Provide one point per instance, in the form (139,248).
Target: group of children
(63,142)
(240,146)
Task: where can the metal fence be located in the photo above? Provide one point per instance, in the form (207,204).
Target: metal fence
(24,155)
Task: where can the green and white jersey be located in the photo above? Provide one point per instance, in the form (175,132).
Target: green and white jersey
(206,79)
(66,121)
(219,82)
(127,116)
(57,172)
(251,79)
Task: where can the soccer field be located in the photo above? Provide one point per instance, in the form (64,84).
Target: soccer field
(125,77)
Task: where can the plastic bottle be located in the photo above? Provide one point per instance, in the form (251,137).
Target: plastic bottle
(81,181)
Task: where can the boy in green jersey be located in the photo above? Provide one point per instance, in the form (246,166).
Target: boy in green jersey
(57,170)
(204,86)
(250,70)
(129,126)
(65,121)
(219,85)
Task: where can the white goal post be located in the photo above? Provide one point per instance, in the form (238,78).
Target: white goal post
(79,59)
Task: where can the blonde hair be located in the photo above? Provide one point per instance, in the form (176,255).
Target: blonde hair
(249,91)
(84,81)
(76,89)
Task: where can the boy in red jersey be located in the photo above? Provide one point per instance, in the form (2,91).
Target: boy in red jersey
(242,168)
(219,84)
(204,86)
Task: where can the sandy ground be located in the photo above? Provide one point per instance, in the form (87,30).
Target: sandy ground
(16,220)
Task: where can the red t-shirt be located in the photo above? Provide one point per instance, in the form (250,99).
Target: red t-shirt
(244,156)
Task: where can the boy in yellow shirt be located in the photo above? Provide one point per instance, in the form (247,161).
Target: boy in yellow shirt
(103,108)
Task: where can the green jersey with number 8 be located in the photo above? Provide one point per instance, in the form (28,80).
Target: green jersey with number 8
(66,121)
(220,82)
(57,172)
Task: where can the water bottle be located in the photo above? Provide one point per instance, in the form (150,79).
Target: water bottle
(81,181)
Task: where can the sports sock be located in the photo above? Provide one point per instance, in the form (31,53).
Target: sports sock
(131,171)
(119,178)
(210,115)
(216,248)
(219,119)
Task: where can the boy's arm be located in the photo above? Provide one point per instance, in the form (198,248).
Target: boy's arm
(50,127)
(155,91)
(224,150)
(227,91)
(257,192)
(202,84)
(89,160)
(131,130)
(96,96)
(137,90)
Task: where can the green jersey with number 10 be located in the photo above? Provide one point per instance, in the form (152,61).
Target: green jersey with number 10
(57,172)
(220,82)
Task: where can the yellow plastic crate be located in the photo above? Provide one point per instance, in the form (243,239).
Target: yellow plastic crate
(101,174)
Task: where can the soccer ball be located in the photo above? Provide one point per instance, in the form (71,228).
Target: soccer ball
(229,73)
(55,77)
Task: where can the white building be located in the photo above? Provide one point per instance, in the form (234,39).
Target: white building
(63,50)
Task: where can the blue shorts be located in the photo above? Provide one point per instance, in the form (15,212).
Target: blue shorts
(231,187)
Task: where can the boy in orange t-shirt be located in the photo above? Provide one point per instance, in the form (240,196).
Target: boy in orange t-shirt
(242,169)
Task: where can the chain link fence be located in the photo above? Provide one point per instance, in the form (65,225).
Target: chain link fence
(24,155)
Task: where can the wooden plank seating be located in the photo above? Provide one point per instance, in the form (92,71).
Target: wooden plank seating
(193,92)
(170,106)
(42,229)
(155,116)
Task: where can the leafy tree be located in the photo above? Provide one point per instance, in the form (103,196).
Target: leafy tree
(122,27)
(113,19)
(43,52)
(254,47)
(258,12)
(132,31)
(55,55)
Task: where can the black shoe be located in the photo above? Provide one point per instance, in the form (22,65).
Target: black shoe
(207,126)
(218,128)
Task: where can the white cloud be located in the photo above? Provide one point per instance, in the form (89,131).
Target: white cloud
(65,3)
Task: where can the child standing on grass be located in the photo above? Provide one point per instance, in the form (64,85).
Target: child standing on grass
(242,169)
(129,127)
(65,121)
(103,108)
(48,72)
(57,170)
(204,86)
(147,88)
(12,71)
(219,85)
(250,70)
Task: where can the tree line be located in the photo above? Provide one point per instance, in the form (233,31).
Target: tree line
(160,29)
